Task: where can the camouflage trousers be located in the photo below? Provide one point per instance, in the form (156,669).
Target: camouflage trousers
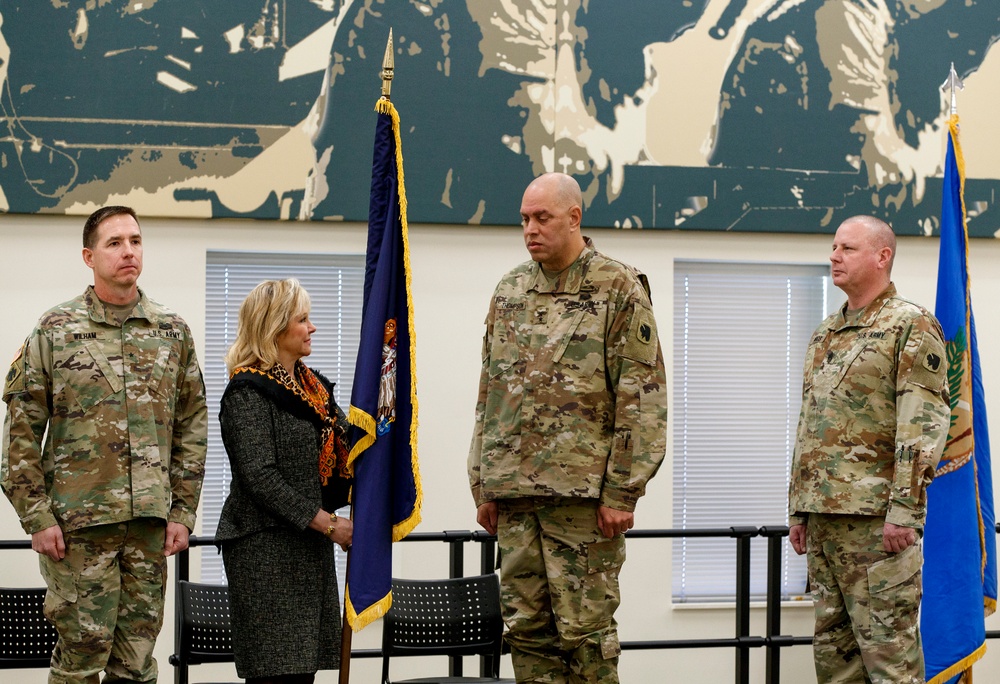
(559,590)
(105,599)
(867,602)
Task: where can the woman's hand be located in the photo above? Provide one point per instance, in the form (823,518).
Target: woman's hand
(339,530)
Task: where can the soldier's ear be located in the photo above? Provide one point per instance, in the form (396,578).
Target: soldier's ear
(88,257)
(884,257)
(575,216)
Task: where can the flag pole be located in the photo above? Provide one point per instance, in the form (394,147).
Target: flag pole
(346,634)
(954,83)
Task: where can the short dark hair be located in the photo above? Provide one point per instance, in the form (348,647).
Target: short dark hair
(95,219)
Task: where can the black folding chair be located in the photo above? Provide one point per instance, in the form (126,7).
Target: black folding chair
(26,637)
(204,632)
(450,617)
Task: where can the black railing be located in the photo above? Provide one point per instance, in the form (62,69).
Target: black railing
(742,641)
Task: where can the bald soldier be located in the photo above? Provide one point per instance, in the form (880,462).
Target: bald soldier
(103,457)
(873,425)
(570,426)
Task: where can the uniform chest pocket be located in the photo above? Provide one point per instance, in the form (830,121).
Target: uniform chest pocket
(165,358)
(580,348)
(83,374)
(867,373)
(503,352)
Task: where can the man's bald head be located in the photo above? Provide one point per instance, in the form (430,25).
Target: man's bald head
(880,235)
(563,189)
(861,260)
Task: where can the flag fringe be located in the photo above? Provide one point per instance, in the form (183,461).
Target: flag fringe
(366,422)
(961,666)
(369,615)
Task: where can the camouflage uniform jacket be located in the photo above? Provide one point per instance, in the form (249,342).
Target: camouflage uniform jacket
(572,392)
(875,414)
(124,406)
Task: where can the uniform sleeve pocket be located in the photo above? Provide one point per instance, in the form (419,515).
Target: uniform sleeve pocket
(929,369)
(895,591)
(641,344)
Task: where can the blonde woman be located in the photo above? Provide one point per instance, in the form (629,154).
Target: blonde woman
(285,437)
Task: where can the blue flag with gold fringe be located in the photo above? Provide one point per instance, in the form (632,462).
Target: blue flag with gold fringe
(386,497)
(960,571)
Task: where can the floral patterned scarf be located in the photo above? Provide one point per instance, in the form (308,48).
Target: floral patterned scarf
(308,397)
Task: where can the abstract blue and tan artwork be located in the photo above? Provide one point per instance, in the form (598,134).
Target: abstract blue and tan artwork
(746,115)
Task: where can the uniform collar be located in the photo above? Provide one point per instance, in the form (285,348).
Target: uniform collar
(572,277)
(868,315)
(99,313)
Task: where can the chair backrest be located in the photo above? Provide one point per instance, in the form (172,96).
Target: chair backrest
(26,636)
(444,617)
(203,624)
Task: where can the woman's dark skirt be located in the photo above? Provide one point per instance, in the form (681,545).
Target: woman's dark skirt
(284,602)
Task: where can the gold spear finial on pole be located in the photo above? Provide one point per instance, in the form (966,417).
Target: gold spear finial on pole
(387,66)
(953,82)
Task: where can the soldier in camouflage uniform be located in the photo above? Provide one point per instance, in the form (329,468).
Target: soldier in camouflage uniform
(874,421)
(570,426)
(111,381)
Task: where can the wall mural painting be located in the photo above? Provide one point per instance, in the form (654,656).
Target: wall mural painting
(747,115)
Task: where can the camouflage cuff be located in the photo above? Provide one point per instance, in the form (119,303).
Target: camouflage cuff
(905,517)
(37,523)
(183,517)
(794,520)
(618,500)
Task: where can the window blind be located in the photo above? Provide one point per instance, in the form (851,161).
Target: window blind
(740,336)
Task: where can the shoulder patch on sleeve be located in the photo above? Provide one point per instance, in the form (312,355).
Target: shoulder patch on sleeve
(15,376)
(642,343)
(930,367)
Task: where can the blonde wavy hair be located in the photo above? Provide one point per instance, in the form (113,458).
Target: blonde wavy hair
(264,315)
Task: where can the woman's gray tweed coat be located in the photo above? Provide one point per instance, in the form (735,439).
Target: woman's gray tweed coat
(282,575)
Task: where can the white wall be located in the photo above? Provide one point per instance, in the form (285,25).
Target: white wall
(455,269)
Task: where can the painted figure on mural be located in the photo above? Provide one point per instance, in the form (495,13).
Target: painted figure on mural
(264,109)
(188,108)
(654,126)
